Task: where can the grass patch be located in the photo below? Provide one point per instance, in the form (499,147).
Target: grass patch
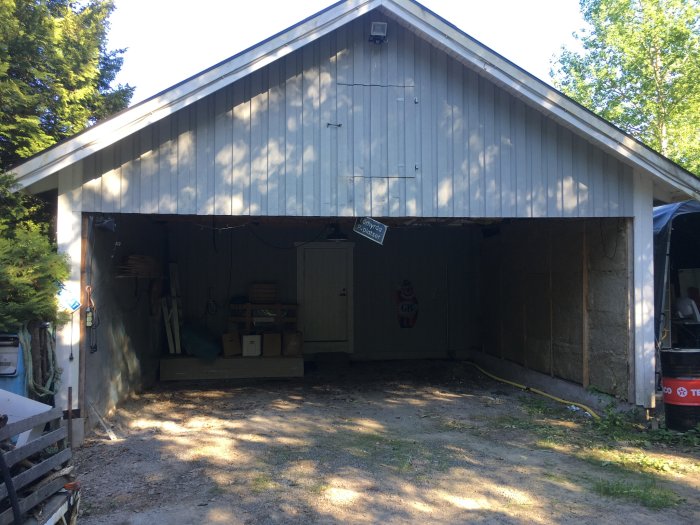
(635,461)
(539,406)
(690,438)
(513,423)
(455,425)
(262,483)
(405,456)
(556,477)
(646,493)
(318,487)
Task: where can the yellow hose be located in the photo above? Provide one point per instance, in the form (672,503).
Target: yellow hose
(535,390)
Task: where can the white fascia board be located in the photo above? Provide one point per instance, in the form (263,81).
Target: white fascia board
(182,95)
(540,95)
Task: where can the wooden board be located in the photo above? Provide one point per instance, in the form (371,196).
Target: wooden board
(189,368)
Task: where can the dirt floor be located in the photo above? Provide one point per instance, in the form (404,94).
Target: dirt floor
(433,443)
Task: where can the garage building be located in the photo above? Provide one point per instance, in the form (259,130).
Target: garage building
(519,223)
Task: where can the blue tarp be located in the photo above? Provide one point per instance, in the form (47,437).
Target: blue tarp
(663,227)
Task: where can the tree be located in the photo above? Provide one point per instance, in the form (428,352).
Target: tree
(640,69)
(55,73)
(30,268)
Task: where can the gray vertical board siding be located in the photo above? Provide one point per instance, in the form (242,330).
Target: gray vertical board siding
(276,141)
(205,143)
(186,166)
(311,95)
(91,187)
(148,179)
(130,165)
(241,148)
(259,133)
(111,180)
(344,80)
(476,146)
(223,151)
(167,166)
(327,178)
(459,161)
(350,128)
(293,135)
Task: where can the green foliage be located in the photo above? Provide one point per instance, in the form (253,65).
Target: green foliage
(30,268)
(614,424)
(647,493)
(55,73)
(640,69)
(689,438)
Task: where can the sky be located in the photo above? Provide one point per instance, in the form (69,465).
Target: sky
(168,41)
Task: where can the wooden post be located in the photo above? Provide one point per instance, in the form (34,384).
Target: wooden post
(585,340)
(70,417)
(168,326)
(551,301)
(85,248)
(175,311)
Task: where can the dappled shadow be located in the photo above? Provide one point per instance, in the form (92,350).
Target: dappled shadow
(370,443)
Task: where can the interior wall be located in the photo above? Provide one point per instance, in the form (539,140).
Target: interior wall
(555,297)
(441,264)
(127,333)
(609,297)
(218,263)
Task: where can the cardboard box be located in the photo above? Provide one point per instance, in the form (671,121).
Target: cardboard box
(292,344)
(251,345)
(231,343)
(272,345)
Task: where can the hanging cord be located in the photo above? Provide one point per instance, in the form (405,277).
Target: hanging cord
(25,339)
(92,319)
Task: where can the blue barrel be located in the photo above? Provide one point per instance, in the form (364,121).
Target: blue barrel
(13,377)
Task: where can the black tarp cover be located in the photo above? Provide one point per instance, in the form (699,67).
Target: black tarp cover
(664,217)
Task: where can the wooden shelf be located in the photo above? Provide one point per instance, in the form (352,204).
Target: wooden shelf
(252,317)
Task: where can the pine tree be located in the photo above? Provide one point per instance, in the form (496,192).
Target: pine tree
(55,73)
(30,268)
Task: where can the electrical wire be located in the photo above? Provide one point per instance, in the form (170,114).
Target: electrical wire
(535,390)
(292,247)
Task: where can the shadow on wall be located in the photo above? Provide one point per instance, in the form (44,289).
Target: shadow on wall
(123,346)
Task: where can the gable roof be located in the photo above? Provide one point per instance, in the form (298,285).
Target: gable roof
(670,180)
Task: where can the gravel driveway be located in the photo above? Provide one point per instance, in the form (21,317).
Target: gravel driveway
(426,442)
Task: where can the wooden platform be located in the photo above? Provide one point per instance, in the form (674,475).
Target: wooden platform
(188,368)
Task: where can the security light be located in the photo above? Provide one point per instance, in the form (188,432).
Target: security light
(377,32)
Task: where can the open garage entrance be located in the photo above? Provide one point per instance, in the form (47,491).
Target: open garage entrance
(549,295)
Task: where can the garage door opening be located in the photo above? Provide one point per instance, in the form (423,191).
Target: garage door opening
(548,295)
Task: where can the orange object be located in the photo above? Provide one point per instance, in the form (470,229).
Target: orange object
(72,485)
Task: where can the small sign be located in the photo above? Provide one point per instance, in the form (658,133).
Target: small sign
(373,230)
(67,300)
